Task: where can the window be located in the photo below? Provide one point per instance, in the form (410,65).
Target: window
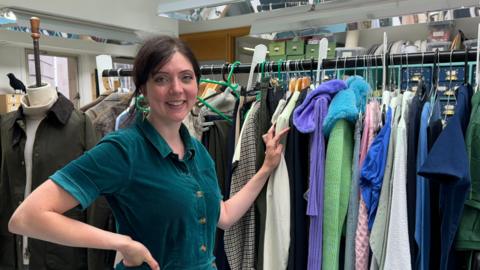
(60,71)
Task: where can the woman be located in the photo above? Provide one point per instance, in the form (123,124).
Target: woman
(159,182)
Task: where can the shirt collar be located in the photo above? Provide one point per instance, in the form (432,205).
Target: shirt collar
(160,144)
(59,112)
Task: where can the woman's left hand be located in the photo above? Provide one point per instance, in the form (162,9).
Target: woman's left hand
(273,147)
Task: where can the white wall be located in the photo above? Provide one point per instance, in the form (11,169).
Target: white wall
(12,60)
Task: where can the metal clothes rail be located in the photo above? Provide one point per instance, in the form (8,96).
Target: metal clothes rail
(341,63)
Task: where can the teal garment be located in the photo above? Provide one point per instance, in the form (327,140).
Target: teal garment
(172,206)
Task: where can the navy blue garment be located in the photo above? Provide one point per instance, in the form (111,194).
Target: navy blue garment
(297,159)
(371,177)
(447,163)
(435,128)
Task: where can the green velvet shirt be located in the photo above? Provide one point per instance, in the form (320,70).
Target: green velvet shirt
(172,206)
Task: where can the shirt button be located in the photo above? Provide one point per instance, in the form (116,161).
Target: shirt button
(199,194)
(203,221)
(23,163)
(203,248)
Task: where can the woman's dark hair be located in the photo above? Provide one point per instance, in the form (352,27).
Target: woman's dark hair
(155,53)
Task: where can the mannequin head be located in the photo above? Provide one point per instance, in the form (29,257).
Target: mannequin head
(39,96)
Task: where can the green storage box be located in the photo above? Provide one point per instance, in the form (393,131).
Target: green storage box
(295,57)
(277,57)
(312,51)
(276,48)
(331,50)
(295,47)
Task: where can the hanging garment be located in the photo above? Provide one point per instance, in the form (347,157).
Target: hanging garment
(435,128)
(63,135)
(296,157)
(216,143)
(240,238)
(271,99)
(378,235)
(338,177)
(412,145)
(110,99)
(93,103)
(342,114)
(277,222)
(422,218)
(398,245)
(352,214)
(349,104)
(374,168)
(219,250)
(104,122)
(308,118)
(216,138)
(373,120)
(468,237)
(447,163)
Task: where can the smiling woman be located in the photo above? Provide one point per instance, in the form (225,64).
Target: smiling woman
(159,181)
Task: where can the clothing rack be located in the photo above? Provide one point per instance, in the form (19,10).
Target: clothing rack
(341,63)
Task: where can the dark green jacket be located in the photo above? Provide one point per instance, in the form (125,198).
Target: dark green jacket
(62,136)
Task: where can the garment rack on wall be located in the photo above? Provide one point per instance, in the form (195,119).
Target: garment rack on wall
(348,62)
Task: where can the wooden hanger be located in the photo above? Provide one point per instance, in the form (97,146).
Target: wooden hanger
(299,85)
(292,84)
(306,82)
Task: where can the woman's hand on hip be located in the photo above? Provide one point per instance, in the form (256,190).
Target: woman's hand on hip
(273,147)
(135,254)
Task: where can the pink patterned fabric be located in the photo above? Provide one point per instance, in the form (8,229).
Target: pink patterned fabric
(371,125)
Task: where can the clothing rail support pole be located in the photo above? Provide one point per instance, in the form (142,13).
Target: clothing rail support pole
(384,62)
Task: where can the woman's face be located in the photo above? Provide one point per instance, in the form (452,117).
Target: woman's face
(171,90)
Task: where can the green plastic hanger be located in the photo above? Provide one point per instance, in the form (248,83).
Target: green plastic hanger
(215,110)
(228,83)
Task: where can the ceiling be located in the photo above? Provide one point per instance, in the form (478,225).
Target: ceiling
(138,19)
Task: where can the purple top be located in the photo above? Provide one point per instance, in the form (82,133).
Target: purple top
(308,118)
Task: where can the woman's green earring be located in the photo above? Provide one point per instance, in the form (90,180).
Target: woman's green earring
(141,104)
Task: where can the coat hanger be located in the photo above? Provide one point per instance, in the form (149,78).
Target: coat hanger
(306,79)
(335,72)
(292,80)
(433,94)
(322,55)
(421,91)
(227,83)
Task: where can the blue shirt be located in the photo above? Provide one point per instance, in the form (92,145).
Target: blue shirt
(170,205)
(373,169)
(447,163)
(422,225)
